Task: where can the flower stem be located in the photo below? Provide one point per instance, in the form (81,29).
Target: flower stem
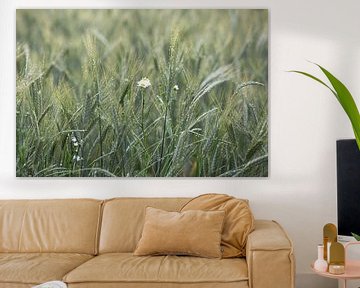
(142,115)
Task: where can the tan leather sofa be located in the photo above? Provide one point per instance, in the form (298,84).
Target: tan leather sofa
(89,243)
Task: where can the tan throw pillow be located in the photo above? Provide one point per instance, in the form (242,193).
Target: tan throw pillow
(196,233)
(239,220)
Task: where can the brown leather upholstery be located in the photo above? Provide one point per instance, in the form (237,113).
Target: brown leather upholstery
(239,220)
(41,226)
(126,268)
(192,233)
(123,220)
(36,268)
(242,284)
(65,226)
(15,285)
(269,256)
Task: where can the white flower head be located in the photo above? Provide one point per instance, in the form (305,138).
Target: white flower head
(144,83)
(77,158)
(74,141)
(176,88)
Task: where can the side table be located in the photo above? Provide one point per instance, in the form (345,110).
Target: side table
(352,269)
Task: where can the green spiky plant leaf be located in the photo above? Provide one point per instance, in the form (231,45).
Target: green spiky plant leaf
(344,97)
(356,236)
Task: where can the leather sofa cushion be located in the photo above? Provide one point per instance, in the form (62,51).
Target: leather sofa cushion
(15,285)
(123,220)
(63,226)
(126,268)
(194,232)
(237,284)
(239,220)
(270,256)
(36,268)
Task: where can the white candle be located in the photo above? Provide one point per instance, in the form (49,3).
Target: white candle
(328,252)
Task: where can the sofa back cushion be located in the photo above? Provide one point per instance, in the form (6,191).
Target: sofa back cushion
(123,220)
(66,226)
(238,224)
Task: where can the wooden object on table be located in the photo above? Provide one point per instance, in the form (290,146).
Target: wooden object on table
(329,236)
(352,268)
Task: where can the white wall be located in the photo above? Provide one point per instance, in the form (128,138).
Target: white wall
(305,120)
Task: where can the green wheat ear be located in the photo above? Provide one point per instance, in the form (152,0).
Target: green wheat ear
(205,114)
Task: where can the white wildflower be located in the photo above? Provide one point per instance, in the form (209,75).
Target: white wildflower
(77,158)
(144,83)
(75,141)
(176,88)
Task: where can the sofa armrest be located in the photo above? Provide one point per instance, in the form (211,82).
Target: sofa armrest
(269,256)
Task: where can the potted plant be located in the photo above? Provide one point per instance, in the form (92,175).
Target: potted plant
(345,99)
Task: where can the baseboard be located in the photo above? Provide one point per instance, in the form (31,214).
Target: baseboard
(309,280)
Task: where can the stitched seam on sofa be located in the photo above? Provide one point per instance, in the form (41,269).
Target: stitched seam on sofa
(18,282)
(67,273)
(35,283)
(147,198)
(291,255)
(290,247)
(98,228)
(292,279)
(46,253)
(271,249)
(22,226)
(152,281)
(191,199)
(250,270)
(161,263)
(292,275)
(77,266)
(286,235)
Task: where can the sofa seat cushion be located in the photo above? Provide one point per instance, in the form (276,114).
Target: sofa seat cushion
(36,268)
(242,284)
(15,285)
(127,268)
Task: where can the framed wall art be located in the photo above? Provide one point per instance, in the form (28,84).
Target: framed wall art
(142,93)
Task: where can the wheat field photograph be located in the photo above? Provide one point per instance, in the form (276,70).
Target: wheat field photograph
(142,93)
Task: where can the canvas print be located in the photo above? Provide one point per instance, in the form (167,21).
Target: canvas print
(142,93)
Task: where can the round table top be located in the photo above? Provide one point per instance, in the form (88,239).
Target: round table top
(352,271)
